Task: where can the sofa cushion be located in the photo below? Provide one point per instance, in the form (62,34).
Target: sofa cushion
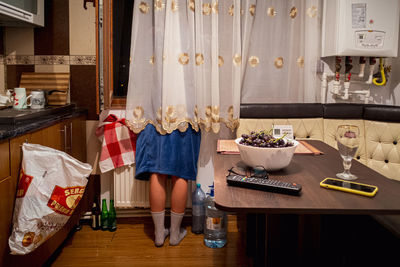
(330,127)
(383,147)
(343,111)
(382,113)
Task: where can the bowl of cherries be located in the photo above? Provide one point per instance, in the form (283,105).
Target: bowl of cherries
(261,149)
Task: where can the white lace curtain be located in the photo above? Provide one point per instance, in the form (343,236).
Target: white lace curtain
(194,61)
(185,65)
(283,51)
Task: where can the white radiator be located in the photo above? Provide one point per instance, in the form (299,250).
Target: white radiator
(133,193)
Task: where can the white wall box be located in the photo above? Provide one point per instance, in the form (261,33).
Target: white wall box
(360,28)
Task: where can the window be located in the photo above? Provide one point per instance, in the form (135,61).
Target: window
(116,42)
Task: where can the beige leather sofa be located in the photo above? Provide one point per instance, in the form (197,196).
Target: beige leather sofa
(379,130)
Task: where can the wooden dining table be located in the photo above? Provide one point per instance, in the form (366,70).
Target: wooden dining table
(273,218)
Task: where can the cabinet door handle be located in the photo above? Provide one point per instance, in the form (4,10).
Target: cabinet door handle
(65,138)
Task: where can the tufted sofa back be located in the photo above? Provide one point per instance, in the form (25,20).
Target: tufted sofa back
(382,128)
(379,128)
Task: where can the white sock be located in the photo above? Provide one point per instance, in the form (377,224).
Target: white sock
(160,231)
(176,232)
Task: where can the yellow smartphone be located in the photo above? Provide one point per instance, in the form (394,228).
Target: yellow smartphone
(350,187)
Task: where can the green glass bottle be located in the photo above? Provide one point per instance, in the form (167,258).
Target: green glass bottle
(104,215)
(112,217)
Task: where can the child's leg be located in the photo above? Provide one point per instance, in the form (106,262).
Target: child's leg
(178,205)
(157,206)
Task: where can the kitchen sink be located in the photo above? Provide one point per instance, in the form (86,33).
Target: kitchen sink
(13,116)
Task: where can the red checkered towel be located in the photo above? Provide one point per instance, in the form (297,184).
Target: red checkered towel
(118,144)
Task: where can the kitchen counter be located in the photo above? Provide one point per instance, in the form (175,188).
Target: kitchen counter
(14,122)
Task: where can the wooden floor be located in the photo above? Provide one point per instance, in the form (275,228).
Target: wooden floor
(132,245)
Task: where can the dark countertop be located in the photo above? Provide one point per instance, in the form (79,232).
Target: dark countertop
(13,127)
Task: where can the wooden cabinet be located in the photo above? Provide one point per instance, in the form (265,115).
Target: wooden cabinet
(4,160)
(73,135)
(68,136)
(6,196)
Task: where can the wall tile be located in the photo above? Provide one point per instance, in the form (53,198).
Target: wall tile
(53,39)
(19,41)
(83,88)
(52,60)
(14,74)
(82,28)
(51,68)
(19,60)
(82,60)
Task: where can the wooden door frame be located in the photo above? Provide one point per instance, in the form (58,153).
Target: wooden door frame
(108,74)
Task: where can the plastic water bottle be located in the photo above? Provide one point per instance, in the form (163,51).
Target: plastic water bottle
(198,211)
(215,227)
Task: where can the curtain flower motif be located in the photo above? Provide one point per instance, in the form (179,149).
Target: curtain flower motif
(220,61)
(231,10)
(144,7)
(312,11)
(174,6)
(271,12)
(300,62)
(196,115)
(254,61)
(231,122)
(212,118)
(207,9)
(199,59)
(192,5)
(138,113)
(159,117)
(252,10)
(278,62)
(215,7)
(158,4)
(237,60)
(293,12)
(184,58)
(170,115)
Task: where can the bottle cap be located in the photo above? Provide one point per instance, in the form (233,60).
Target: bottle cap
(211,194)
(198,185)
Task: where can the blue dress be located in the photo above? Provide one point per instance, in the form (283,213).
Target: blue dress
(171,154)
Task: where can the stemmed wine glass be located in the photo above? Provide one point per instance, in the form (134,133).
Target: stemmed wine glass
(348,140)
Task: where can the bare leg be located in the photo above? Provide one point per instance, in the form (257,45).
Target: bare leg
(157,207)
(178,204)
(178,194)
(157,192)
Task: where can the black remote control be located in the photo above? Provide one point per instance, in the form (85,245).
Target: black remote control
(264,184)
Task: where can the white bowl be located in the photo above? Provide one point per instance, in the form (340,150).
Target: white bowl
(271,158)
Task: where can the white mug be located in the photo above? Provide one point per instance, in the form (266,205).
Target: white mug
(20,99)
(37,101)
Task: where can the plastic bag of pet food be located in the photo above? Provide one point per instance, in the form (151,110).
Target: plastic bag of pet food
(51,184)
